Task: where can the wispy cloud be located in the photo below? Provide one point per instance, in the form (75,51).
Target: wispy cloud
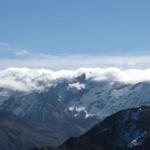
(25,58)
(22,52)
(9,48)
(4,44)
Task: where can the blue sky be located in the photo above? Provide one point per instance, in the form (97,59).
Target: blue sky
(58,29)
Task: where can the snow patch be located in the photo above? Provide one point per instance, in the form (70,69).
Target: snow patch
(80,109)
(77,85)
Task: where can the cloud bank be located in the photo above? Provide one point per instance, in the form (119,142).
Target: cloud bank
(25,79)
(76,61)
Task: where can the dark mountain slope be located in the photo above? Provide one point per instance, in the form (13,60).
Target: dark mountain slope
(17,134)
(48,116)
(125,130)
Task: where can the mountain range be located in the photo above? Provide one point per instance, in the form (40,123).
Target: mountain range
(40,107)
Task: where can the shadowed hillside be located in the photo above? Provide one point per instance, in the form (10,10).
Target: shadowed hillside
(125,130)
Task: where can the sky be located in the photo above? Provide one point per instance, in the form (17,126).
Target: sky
(74,33)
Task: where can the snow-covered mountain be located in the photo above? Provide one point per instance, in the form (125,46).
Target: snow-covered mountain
(64,103)
(94,92)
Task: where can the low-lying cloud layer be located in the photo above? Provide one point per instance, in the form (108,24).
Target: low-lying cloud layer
(74,61)
(26,79)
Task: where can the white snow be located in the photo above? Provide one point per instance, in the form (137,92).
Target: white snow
(77,85)
(137,141)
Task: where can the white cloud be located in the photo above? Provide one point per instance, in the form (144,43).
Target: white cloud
(22,53)
(4,44)
(6,47)
(26,79)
